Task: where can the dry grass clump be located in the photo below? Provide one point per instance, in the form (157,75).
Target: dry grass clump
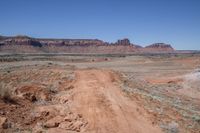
(5,94)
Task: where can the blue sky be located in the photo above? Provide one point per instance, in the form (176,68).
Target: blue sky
(144,22)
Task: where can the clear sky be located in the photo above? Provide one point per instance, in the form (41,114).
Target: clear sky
(142,21)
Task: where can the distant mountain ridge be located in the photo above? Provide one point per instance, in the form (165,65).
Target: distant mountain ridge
(25,44)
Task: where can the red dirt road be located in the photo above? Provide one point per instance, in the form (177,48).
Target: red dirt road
(102,103)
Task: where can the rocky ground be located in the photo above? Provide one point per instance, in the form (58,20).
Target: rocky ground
(130,94)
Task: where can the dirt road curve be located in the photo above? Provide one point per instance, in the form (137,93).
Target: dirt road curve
(107,110)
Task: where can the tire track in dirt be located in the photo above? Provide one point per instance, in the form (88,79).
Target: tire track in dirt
(105,107)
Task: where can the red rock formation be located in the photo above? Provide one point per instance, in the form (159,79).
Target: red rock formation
(123,42)
(158,47)
(25,44)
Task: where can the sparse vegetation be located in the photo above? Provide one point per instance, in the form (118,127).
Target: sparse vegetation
(144,80)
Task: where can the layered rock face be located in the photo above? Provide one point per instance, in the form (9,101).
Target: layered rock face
(25,44)
(158,47)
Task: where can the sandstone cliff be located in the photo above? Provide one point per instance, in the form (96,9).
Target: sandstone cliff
(25,44)
(158,47)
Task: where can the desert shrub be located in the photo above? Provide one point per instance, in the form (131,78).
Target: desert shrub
(52,88)
(5,94)
(50,63)
(171,127)
(196,118)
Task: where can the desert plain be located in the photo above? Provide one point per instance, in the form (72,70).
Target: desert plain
(69,93)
